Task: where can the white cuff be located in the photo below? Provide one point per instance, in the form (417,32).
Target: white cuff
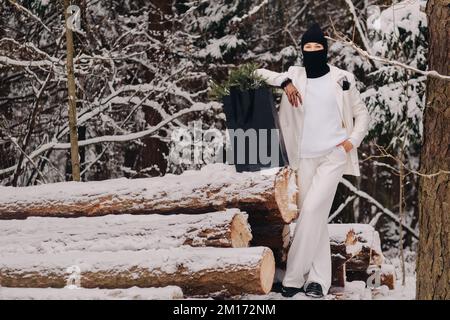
(353,141)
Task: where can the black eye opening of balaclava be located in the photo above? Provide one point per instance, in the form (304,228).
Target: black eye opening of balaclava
(315,62)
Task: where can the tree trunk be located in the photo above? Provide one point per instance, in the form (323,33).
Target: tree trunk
(124,232)
(433,261)
(153,155)
(72,98)
(195,270)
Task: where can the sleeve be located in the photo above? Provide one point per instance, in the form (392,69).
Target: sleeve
(360,113)
(273,78)
(352,140)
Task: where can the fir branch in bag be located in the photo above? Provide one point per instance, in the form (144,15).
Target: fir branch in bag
(242,77)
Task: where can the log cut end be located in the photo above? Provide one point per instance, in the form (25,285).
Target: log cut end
(267,271)
(286,194)
(241,234)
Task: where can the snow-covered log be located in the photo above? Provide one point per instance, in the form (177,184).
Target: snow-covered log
(215,187)
(365,258)
(366,247)
(343,242)
(124,232)
(199,270)
(353,248)
(370,253)
(134,293)
(386,272)
(344,245)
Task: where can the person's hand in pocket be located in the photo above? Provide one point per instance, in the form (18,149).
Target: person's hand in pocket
(293,95)
(346,144)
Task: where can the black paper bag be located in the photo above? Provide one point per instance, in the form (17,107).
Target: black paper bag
(253,148)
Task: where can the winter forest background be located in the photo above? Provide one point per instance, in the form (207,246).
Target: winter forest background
(143,69)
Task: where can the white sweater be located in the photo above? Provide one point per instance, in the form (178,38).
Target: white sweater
(322,128)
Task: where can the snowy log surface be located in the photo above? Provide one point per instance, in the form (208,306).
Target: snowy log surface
(368,246)
(199,270)
(215,187)
(124,232)
(344,245)
(354,247)
(134,293)
(387,275)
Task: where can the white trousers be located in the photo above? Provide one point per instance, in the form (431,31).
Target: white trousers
(309,257)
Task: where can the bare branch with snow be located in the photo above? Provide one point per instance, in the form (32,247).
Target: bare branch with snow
(383,209)
(253,11)
(368,56)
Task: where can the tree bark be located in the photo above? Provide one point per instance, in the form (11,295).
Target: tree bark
(153,155)
(195,270)
(433,261)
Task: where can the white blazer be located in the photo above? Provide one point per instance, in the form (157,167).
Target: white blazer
(349,103)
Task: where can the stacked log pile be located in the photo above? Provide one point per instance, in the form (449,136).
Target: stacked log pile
(206,231)
(203,232)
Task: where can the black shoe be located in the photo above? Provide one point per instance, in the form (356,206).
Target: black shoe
(290,291)
(314,290)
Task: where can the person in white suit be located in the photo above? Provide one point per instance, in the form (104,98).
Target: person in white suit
(323,121)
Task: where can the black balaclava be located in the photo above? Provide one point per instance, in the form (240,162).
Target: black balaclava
(315,62)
